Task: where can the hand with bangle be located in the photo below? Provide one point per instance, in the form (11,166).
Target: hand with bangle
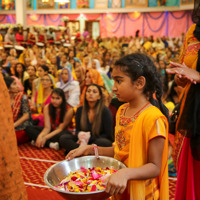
(184,73)
(81,151)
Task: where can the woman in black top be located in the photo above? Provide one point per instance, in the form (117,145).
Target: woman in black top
(93,122)
(31,70)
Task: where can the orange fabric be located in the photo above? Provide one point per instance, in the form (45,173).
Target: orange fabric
(12,184)
(96,79)
(132,138)
(189,56)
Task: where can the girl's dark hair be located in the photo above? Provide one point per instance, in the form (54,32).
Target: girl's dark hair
(52,110)
(45,68)
(24,69)
(136,65)
(172,93)
(8,80)
(96,125)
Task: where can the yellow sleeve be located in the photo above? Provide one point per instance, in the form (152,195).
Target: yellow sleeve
(158,129)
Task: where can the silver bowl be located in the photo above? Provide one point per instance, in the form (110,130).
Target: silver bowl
(56,173)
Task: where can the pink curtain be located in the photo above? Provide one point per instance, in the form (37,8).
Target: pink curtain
(111,25)
(176,25)
(154,24)
(133,22)
(10,19)
(120,24)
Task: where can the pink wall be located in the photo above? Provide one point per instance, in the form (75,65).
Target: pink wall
(121,24)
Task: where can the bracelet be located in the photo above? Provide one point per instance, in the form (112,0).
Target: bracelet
(95,150)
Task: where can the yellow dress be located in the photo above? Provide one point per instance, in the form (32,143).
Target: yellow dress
(132,136)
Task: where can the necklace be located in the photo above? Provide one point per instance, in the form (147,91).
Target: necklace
(138,112)
(124,121)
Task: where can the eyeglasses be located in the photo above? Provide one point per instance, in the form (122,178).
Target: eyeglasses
(45,80)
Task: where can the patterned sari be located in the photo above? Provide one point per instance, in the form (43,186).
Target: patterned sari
(17,105)
(132,137)
(20,107)
(188,176)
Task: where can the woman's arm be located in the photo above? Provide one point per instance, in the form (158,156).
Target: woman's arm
(25,111)
(47,122)
(21,120)
(88,150)
(62,126)
(41,140)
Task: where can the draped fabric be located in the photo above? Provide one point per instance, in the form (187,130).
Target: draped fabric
(121,24)
(185,156)
(189,56)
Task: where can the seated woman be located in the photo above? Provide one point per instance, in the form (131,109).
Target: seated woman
(20,72)
(57,117)
(43,97)
(19,36)
(77,64)
(93,122)
(28,83)
(10,37)
(41,71)
(91,76)
(70,87)
(20,109)
(32,37)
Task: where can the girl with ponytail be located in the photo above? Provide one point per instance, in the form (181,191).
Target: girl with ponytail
(141,132)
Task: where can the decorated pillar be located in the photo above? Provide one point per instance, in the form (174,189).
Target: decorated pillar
(20,7)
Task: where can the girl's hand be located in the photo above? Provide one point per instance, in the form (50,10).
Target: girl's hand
(40,142)
(117,182)
(81,151)
(184,73)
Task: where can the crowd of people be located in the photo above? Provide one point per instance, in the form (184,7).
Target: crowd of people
(65,92)
(34,66)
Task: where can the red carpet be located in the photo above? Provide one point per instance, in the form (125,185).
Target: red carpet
(42,194)
(27,150)
(34,164)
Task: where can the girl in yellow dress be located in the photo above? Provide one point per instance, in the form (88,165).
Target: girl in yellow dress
(141,140)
